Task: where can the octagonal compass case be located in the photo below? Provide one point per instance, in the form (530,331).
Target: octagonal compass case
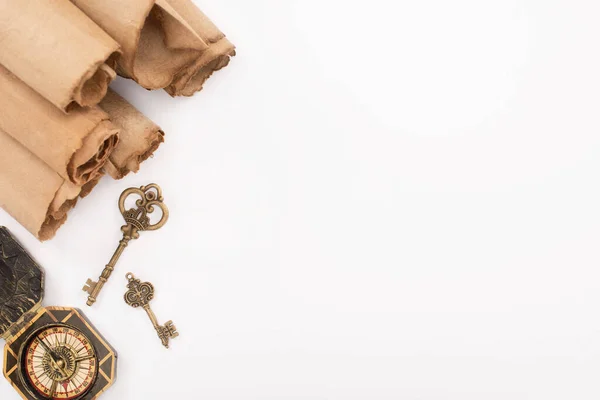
(50,352)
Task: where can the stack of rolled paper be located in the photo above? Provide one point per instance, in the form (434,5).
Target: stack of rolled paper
(61,127)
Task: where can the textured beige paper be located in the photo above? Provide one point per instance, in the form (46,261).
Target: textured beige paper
(36,196)
(215,57)
(167,44)
(139,136)
(57,50)
(75,145)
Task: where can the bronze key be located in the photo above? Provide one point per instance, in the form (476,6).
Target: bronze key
(137,220)
(139,295)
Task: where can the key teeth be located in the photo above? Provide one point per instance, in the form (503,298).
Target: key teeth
(89,286)
(171,329)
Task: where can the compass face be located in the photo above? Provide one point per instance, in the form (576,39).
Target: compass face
(59,349)
(61,362)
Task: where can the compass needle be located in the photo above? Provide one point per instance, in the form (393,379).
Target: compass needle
(58,363)
(53,389)
(44,345)
(83,358)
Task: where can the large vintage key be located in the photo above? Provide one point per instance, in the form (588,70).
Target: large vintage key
(139,295)
(137,219)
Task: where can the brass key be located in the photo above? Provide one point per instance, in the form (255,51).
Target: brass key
(137,220)
(139,295)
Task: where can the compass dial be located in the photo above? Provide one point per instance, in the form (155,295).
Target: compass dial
(61,363)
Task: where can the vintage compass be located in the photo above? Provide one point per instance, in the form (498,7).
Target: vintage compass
(51,352)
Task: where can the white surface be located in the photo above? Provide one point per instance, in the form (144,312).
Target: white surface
(376,200)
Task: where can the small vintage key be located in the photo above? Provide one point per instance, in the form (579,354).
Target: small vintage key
(137,220)
(139,295)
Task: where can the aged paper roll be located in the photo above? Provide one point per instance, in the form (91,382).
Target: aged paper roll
(57,50)
(167,44)
(75,145)
(36,196)
(139,136)
(215,57)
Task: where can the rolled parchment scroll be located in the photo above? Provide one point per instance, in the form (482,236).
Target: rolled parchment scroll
(139,137)
(75,145)
(32,191)
(57,50)
(217,55)
(35,195)
(166,44)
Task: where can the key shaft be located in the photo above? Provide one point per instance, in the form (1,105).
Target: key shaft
(152,316)
(96,287)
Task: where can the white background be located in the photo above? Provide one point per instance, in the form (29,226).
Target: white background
(376,200)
